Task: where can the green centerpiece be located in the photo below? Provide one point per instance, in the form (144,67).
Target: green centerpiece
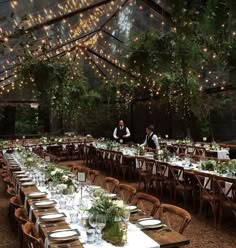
(60,177)
(115,231)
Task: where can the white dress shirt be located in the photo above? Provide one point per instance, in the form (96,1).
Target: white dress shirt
(125,136)
(155,140)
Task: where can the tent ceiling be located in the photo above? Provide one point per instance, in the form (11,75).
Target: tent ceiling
(97,30)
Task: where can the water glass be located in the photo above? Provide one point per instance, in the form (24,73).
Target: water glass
(74,217)
(90,235)
(62,203)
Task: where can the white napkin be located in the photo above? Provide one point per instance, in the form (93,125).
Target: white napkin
(207,184)
(166,172)
(226,189)
(181,175)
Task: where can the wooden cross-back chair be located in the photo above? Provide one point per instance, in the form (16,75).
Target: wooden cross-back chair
(208,192)
(147,203)
(182,213)
(126,192)
(31,236)
(111,184)
(227,195)
(181,183)
(145,171)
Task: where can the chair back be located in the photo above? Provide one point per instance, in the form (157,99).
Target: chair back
(16,202)
(93,175)
(183,149)
(190,150)
(11,191)
(147,203)
(111,184)
(167,208)
(177,173)
(141,163)
(70,167)
(126,192)
(21,216)
(200,151)
(206,184)
(227,190)
(162,169)
(31,236)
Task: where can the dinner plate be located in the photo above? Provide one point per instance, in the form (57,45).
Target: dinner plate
(44,204)
(19,172)
(21,175)
(132,208)
(14,165)
(25,179)
(149,222)
(28,184)
(37,194)
(52,217)
(111,195)
(63,234)
(94,187)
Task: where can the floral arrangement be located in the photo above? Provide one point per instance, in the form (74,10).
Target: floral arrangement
(227,167)
(140,150)
(44,140)
(114,231)
(110,144)
(209,165)
(59,175)
(214,146)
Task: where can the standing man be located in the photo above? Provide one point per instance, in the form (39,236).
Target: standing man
(121,133)
(151,140)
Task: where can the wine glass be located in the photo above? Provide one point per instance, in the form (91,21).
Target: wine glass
(92,220)
(101,223)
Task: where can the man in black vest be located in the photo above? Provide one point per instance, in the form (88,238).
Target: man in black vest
(121,133)
(151,140)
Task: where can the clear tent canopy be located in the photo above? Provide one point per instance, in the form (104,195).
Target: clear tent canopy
(95,32)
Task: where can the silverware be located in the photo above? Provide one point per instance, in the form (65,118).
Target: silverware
(54,224)
(66,245)
(146,218)
(41,210)
(165,229)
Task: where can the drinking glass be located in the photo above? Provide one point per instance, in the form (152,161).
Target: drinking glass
(90,235)
(73,216)
(62,203)
(101,223)
(92,220)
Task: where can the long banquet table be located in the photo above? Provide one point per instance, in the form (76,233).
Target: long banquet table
(169,238)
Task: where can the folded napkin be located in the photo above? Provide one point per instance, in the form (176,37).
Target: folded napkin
(228,185)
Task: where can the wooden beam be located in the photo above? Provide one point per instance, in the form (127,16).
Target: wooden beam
(111,35)
(108,61)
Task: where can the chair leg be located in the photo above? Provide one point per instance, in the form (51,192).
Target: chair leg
(220,216)
(200,207)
